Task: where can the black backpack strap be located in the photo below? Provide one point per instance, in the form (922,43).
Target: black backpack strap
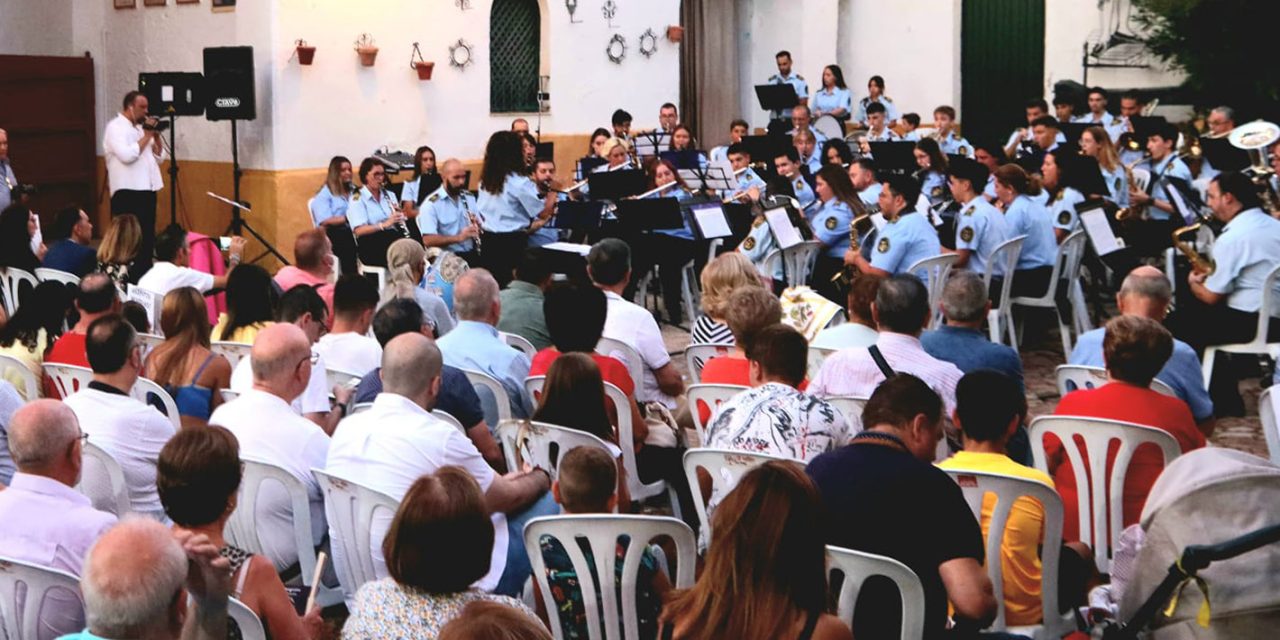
(881,362)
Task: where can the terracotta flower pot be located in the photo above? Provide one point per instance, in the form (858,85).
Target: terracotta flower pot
(675,33)
(367,55)
(306,55)
(424,69)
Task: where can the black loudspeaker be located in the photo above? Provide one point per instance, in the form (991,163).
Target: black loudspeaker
(229,83)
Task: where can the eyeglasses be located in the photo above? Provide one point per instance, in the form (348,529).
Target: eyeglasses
(83,437)
(313,357)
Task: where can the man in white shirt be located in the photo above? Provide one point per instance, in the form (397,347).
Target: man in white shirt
(347,346)
(302,306)
(609,266)
(901,312)
(133,152)
(129,430)
(171,271)
(270,431)
(388,447)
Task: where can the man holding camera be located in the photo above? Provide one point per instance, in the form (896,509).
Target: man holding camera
(131,145)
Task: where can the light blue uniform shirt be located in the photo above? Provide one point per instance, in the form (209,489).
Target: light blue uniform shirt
(1025,217)
(7,182)
(890,110)
(513,209)
(933,184)
(1182,372)
(758,244)
(980,228)
(804,193)
(1113,124)
(1063,209)
(477,346)
(746,180)
(814,162)
(720,153)
(954,144)
(445,216)
(363,209)
(1117,185)
(817,137)
(1170,167)
(827,102)
(886,135)
(547,235)
(326,205)
(871,195)
(990,190)
(830,221)
(797,82)
(1246,250)
(905,241)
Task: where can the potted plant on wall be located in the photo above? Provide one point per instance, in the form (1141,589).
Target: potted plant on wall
(419,64)
(675,33)
(306,53)
(367,50)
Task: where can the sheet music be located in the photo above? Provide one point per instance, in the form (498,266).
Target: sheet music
(1181,205)
(783,231)
(652,143)
(1099,232)
(569,247)
(711,221)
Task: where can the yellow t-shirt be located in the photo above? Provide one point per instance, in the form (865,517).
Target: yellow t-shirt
(245,334)
(1020,556)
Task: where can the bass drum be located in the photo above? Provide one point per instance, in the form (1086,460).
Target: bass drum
(829,126)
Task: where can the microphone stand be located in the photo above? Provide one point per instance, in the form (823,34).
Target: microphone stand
(237,221)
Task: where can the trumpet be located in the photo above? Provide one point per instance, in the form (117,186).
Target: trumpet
(1198,263)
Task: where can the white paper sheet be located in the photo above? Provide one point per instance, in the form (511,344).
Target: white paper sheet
(711,221)
(783,231)
(1099,232)
(569,247)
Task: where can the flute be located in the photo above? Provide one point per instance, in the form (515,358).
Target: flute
(655,190)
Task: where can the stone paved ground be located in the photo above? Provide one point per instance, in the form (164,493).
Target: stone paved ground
(1040,359)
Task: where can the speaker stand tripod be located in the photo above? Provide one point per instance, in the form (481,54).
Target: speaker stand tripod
(238,222)
(173,166)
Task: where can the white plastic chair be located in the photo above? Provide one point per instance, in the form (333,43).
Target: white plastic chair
(232,351)
(145,391)
(689,293)
(250,625)
(858,567)
(378,272)
(1066,265)
(11,281)
(484,381)
(227,395)
(638,489)
(242,527)
(851,408)
(543,444)
(1073,377)
(311,201)
(1270,429)
(45,274)
(518,343)
(817,356)
(626,354)
(725,467)
(102,481)
(936,270)
(1098,434)
(1258,345)
(711,396)
(444,416)
(67,378)
(349,508)
(149,342)
(10,365)
(601,532)
(21,620)
(797,262)
(1000,318)
(696,356)
(976,486)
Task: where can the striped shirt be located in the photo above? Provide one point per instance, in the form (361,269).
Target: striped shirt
(852,372)
(708,331)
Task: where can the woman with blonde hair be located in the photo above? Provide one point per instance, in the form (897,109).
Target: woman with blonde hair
(766,568)
(1096,143)
(329,211)
(119,250)
(720,277)
(406,264)
(183,363)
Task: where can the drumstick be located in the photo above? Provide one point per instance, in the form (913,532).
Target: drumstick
(315,581)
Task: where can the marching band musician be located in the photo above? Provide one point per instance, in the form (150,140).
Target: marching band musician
(760,242)
(1036,108)
(544,175)
(329,211)
(448,219)
(1024,216)
(980,227)
(1224,305)
(944,122)
(875,91)
(833,99)
(932,171)
(836,151)
(802,120)
(784,76)
(682,140)
(806,145)
(877,119)
(750,185)
(670,249)
(906,237)
(598,138)
(1098,114)
(910,124)
(1064,107)
(1131,105)
(509,204)
(862,173)
(621,122)
(372,216)
(737,131)
(992,157)
(830,219)
(787,164)
(1095,143)
(425,181)
(8,181)
(617,155)
(1221,121)
(668,118)
(1163,163)
(1061,176)
(529,149)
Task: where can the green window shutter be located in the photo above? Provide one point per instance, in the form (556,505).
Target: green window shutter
(1001,65)
(514,56)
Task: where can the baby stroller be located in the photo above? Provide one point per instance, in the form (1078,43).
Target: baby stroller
(1208,566)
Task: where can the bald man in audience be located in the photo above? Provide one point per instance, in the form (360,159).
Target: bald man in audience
(43,520)
(314,265)
(475,344)
(397,440)
(141,580)
(96,298)
(270,431)
(1146,293)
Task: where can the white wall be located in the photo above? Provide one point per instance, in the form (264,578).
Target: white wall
(1069,24)
(806,28)
(337,106)
(36,28)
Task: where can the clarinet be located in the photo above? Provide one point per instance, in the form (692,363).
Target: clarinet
(395,207)
(472,219)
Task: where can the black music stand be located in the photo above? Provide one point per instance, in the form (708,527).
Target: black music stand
(1090,182)
(587,165)
(1073,130)
(713,178)
(173,94)
(616,185)
(687,159)
(894,157)
(717,223)
(652,143)
(777,98)
(1223,155)
(650,214)
(577,216)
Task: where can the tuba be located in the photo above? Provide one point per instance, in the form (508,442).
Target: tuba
(1256,137)
(1199,263)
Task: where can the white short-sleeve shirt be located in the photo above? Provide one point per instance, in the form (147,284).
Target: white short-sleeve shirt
(350,352)
(314,400)
(632,324)
(164,277)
